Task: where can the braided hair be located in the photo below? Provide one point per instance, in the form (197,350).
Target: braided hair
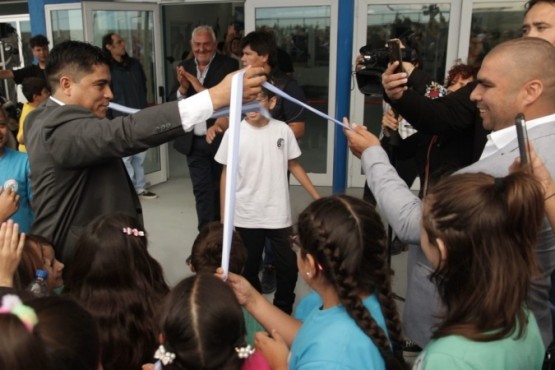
(346,237)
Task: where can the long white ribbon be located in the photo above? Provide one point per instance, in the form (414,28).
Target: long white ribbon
(284,95)
(236,108)
(252,106)
(234,131)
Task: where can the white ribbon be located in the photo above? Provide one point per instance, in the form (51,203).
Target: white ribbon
(234,111)
(234,129)
(252,106)
(284,95)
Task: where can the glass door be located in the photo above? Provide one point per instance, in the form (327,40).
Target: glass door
(306,30)
(428,28)
(64,22)
(139,26)
(443,33)
(15,52)
(491,23)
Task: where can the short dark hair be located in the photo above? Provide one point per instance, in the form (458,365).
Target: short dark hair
(38,40)
(107,40)
(530,3)
(264,43)
(74,58)
(32,86)
(206,254)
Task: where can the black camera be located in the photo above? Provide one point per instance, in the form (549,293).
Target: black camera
(375,61)
(377,58)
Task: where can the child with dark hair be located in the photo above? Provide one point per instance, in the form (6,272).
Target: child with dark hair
(206,254)
(206,257)
(39,48)
(115,278)
(268,150)
(35,91)
(14,174)
(38,253)
(19,349)
(354,323)
(46,333)
(67,332)
(203,328)
(479,232)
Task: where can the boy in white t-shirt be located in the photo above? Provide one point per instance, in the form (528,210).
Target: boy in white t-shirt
(267,149)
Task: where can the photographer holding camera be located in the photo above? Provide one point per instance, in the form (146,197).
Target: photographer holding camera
(438,150)
(404,144)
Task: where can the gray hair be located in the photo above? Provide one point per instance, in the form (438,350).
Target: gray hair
(203,29)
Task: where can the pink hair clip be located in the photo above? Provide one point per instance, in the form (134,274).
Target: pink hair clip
(134,232)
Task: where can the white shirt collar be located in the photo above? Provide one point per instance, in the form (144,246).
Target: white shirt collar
(202,75)
(497,140)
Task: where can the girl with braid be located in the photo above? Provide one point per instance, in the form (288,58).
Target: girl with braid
(353,322)
(479,232)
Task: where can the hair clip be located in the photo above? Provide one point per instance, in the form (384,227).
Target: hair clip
(11,304)
(244,352)
(166,357)
(134,232)
(320,267)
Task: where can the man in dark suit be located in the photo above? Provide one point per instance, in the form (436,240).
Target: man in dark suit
(200,145)
(75,152)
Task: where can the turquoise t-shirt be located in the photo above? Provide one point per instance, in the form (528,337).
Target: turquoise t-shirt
(456,352)
(330,339)
(252,327)
(14,167)
(306,305)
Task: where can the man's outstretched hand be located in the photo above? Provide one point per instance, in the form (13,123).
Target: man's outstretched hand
(252,85)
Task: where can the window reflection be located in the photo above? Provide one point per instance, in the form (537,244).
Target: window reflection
(137,29)
(66,25)
(304,33)
(492,23)
(423,27)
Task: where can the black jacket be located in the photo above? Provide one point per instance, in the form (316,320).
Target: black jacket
(220,66)
(454,118)
(128,84)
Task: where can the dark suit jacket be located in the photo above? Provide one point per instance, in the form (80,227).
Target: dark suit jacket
(76,168)
(220,66)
